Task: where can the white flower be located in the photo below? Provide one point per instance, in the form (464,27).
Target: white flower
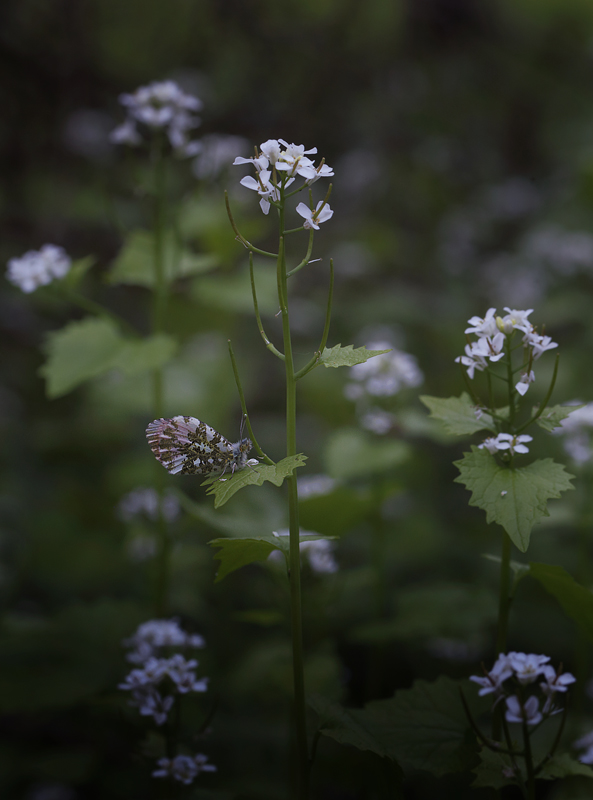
(320,554)
(151,703)
(271,150)
(377,420)
(183,676)
(585,742)
(526,379)
(155,634)
(38,267)
(145,501)
(515,444)
(529,713)
(527,666)
(492,682)
(313,218)
(515,320)
(263,187)
(539,344)
(183,768)
(554,682)
(160,105)
(383,375)
(472,361)
(491,444)
(483,326)
(315,485)
(489,347)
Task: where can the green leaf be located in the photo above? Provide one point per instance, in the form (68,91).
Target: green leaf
(93,346)
(421,728)
(224,488)
(576,600)
(458,414)
(238,552)
(79,351)
(489,771)
(564,765)
(135,262)
(514,498)
(78,270)
(551,417)
(143,355)
(347,356)
(352,453)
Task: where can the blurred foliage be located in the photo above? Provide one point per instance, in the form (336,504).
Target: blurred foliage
(461,136)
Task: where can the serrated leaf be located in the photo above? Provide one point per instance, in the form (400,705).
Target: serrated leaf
(352,453)
(238,552)
(458,414)
(347,356)
(135,262)
(576,600)
(79,351)
(564,765)
(514,498)
(489,771)
(142,355)
(551,417)
(421,728)
(224,488)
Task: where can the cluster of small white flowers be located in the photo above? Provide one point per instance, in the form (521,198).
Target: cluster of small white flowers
(157,674)
(315,485)
(319,553)
(585,743)
(576,431)
(38,267)
(276,165)
(507,441)
(523,669)
(489,347)
(383,375)
(183,768)
(161,105)
(145,502)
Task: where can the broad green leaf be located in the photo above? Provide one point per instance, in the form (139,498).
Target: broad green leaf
(352,453)
(79,351)
(347,356)
(239,552)
(135,262)
(236,524)
(224,488)
(491,770)
(514,498)
(86,349)
(519,570)
(137,356)
(551,417)
(564,765)
(576,600)
(458,414)
(421,728)
(78,270)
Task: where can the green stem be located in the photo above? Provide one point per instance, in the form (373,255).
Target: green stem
(511,388)
(546,399)
(528,762)
(504,605)
(158,326)
(328,314)
(302,791)
(240,237)
(260,326)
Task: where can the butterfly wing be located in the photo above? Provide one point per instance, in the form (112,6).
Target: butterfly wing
(187,446)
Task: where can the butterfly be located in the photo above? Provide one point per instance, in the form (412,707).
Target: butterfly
(187,446)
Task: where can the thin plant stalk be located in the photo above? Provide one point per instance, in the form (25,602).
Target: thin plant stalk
(296,616)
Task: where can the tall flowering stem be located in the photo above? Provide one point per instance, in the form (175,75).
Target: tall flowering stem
(277,165)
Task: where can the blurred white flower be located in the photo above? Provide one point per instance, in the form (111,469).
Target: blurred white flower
(554,682)
(576,431)
(514,444)
(527,666)
(38,267)
(183,768)
(318,552)
(315,485)
(377,421)
(585,743)
(383,375)
(529,712)
(145,501)
(216,152)
(155,634)
(526,379)
(160,105)
(491,683)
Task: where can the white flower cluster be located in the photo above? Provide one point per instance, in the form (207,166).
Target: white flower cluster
(492,332)
(277,165)
(161,105)
(319,553)
(157,675)
(183,768)
(522,669)
(506,441)
(145,502)
(38,267)
(577,430)
(383,375)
